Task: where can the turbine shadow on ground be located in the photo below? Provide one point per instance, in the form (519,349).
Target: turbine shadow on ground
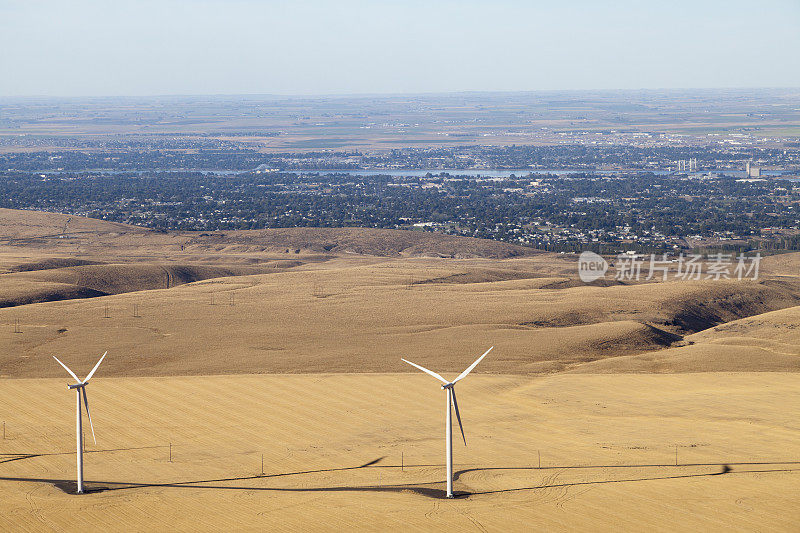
(428,489)
(10,457)
(726,469)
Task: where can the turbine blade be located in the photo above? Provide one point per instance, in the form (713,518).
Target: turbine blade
(473,365)
(458,416)
(431,372)
(86,403)
(71,373)
(94,369)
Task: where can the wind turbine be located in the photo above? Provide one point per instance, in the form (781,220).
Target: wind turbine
(80,389)
(450,389)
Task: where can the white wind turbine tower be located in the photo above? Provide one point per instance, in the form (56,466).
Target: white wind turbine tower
(80,389)
(450,390)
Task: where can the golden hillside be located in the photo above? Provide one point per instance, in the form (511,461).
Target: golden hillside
(363,314)
(236,302)
(80,235)
(610,406)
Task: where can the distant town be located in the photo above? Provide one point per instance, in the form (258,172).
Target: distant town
(570,212)
(611,172)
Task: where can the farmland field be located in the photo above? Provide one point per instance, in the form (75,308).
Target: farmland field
(365,452)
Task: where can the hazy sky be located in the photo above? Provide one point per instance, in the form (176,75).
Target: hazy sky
(126,47)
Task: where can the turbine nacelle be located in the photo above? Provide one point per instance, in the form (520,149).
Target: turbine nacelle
(80,388)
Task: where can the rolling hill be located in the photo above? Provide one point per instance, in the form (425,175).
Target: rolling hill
(37,230)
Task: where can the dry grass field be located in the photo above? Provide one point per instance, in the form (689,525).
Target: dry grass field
(333,446)
(227,347)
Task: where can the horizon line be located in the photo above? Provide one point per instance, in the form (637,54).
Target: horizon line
(398,94)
